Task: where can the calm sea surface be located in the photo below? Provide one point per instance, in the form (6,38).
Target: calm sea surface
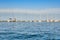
(29,31)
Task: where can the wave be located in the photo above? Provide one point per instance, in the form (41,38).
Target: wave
(24,35)
(15,35)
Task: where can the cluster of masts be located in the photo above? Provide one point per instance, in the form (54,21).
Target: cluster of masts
(14,20)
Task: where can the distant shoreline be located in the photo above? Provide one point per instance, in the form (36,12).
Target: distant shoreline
(29,20)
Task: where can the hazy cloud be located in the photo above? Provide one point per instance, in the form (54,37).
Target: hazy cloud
(50,10)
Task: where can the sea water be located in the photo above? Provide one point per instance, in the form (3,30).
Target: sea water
(29,30)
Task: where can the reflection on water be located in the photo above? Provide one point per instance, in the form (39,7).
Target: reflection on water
(29,31)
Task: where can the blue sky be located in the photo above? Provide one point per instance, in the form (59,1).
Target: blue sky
(30,4)
(30,7)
